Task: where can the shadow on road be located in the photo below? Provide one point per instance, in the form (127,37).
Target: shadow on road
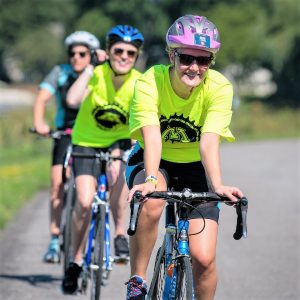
(33,280)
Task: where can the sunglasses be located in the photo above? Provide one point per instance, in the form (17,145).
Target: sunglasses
(81,54)
(186,59)
(130,53)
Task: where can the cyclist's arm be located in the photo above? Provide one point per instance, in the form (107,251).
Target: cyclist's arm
(79,89)
(210,156)
(39,108)
(152,151)
(152,154)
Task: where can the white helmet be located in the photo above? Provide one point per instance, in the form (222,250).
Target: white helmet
(82,37)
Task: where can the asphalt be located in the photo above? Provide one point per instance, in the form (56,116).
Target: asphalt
(265,266)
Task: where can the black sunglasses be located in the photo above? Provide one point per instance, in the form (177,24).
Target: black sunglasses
(81,53)
(186,59)
(130,53)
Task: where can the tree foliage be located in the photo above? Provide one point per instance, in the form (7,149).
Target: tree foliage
(254,34)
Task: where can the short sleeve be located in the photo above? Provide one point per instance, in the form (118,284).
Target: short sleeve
(219,112)
(144,107)
(50,82)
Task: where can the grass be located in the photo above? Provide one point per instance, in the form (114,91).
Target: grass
(256,122)
(25,158)
(21,175)
(24,162)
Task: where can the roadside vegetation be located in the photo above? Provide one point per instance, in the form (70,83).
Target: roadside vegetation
(24,162)
(25,158)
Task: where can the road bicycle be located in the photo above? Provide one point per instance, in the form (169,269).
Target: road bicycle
(98,260)
(68,206)
(172,277)
(69,194)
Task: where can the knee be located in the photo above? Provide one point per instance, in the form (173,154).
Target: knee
(152,212)
(83,205)
(205,262)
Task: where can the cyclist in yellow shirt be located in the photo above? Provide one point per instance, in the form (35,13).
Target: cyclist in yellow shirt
(179,114)
(102,124)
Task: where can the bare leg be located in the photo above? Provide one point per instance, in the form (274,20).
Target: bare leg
(141,244)
(203,252)
(85,188)
(118,198)
(119,206)
(56,199)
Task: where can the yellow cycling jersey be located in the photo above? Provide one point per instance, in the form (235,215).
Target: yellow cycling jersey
(181,121)
(103,115)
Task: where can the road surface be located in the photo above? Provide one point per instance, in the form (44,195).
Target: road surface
(265,266)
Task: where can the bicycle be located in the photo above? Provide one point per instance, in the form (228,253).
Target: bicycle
(98,261)
(172,276)
(69,194)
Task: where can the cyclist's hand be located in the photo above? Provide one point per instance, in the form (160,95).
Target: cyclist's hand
(231,192)
(144,188)
(102,55)
(42,128)
(98,57)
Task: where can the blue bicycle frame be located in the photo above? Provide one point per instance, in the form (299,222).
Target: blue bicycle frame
(100,199)
(182,249)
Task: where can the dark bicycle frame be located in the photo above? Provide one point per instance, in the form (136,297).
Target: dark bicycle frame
(175,247)
(69,193)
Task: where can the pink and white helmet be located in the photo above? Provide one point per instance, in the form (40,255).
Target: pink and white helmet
(193,32)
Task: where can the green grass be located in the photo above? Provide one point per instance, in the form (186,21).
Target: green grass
(256,122)
(25,158)
(24,162)
(23,171)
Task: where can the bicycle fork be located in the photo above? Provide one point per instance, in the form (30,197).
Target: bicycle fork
(102,194)
(170,271)
(182,249)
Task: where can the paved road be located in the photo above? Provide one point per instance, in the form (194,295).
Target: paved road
(263,267)
(11,97)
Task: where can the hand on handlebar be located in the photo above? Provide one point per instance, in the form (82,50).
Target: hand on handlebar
(231,192)
(42,129)
(144,188)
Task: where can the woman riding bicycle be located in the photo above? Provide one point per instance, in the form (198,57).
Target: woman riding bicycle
(102,124)
(179,114)
(79,45)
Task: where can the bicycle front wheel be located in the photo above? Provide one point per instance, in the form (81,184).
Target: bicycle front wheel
(184,279)
(158,280)
(97,255)
(69,195)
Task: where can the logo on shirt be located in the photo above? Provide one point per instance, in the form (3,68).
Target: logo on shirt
(179,129)
(110,116)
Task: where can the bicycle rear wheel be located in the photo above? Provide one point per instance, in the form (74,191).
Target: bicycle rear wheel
(158,278)
(70,195)
(184,279)
(97,255)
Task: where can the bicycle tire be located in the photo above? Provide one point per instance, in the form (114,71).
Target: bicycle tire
(158,279)
(184,279)
(67,235)
(97,255)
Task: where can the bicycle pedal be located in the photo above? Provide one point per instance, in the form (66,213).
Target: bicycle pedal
(121,260)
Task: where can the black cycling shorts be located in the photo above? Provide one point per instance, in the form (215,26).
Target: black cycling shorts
(88,166)
(59,149)
(178,176)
